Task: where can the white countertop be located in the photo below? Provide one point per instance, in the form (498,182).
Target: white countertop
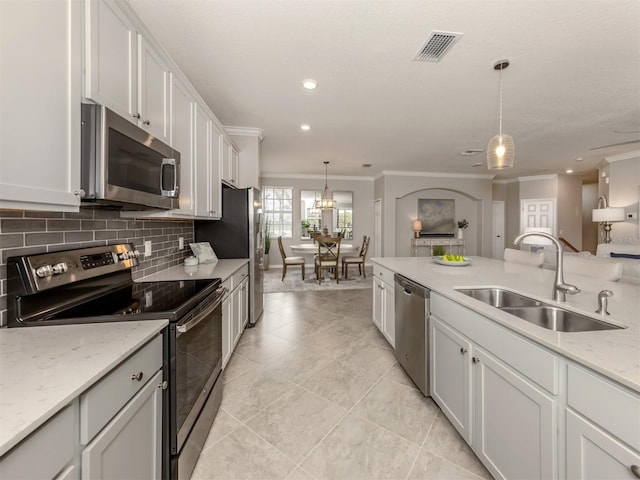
(614,353)
(42,369)
(221,269)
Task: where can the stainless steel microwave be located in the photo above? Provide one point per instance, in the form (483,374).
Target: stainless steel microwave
(125,166)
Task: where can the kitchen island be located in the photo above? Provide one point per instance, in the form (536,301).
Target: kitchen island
(531,402)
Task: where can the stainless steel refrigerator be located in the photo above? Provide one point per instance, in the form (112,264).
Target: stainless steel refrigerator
(239,235)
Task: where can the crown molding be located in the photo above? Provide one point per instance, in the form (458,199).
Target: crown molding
(305,176)
(392,173)
(507,180)
(246,132)
(553,176)
(623,156)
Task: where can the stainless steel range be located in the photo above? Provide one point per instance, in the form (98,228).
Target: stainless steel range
(94,284)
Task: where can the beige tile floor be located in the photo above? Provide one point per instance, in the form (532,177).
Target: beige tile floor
(314,392)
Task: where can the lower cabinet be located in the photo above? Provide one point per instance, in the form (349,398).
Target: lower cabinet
(594,454)
(130,445)
(112,430)
(507,419)
(235,311)
(384,303)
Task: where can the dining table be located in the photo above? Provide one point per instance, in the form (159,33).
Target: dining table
(308,250)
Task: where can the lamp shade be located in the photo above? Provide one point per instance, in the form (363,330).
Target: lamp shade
(607,214)
(537,239)
(501,152)
(417,226)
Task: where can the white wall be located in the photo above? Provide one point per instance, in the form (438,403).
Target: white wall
(393,187)
(624,191)
(589,228)
(569,206)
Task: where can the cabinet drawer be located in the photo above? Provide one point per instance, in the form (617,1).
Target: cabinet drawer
(605,403)
(383,274)
(99,404)
(530,359)
(46,451)
(239,276)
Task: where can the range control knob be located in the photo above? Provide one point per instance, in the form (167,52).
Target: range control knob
(44,271)
(136,253)
(59,268)
(123,255)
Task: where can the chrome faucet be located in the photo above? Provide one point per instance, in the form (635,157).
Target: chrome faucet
(602,302)
(560,289)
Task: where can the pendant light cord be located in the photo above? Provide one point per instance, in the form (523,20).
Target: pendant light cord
(501,101)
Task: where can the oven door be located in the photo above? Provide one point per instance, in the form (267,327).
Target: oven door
(195,364)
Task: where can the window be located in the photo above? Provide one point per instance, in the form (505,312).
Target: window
(338,220)
(277,205)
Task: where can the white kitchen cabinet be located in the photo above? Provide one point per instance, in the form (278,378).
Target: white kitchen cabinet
(451,375)
(514,421)
(497,389)
(384,303)
(41,78)
(208,194)
(593,454)
(57,438)
(112,430)
(230,163)
(182,124)
(601,442)
(123,71)
(235,311)
(130,446)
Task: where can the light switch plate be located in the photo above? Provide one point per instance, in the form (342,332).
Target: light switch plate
(147,248)
(180,243)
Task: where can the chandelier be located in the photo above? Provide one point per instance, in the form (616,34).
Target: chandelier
(326,202)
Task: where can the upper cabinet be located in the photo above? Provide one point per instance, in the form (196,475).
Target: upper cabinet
(123,71)
(230,160)
(41,75)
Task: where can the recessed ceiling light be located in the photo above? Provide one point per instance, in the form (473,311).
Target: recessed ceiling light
(310,84)
(569,170)
(471,151)
(366,165)
(305,127)
(478,164)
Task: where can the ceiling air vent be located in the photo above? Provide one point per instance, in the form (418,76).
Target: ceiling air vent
(437,45)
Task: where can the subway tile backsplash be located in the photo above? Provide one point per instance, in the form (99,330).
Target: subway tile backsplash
(26,232)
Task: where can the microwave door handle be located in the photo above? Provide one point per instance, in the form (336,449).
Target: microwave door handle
(174,191)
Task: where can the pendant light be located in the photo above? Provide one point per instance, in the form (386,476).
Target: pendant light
(501,150)
(326,202)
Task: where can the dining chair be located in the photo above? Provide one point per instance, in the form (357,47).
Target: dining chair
(327,257)
(533,259)
(359,260)
(289,261)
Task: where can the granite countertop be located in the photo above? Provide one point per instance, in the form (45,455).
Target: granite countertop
(42,369)
(614,353)
(221,269)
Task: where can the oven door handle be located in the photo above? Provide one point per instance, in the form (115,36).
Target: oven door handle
(188,325)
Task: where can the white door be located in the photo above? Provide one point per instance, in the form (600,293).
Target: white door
(538,213)
(377,228)
(497,230)
(201,162)
(181,126)
(153,91)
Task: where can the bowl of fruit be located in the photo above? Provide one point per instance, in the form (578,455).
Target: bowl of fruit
(452,260)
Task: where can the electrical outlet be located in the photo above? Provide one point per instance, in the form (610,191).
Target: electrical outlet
(180,243)
(632,215)
(148,299)
(147,248)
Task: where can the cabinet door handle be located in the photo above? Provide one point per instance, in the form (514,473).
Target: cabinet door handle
(137,376)
(147,122)
(475,359)
(463,350)
(635,469)
(163,385)
(136,116)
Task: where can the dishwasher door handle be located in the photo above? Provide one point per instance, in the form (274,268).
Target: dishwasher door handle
(407,292)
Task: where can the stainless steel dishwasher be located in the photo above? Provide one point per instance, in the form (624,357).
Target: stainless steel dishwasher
(412,330)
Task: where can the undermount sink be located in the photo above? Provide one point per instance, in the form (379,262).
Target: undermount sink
(558,319)
(537,312)
(499,298)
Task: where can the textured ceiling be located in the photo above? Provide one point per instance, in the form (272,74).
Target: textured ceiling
(574,79)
